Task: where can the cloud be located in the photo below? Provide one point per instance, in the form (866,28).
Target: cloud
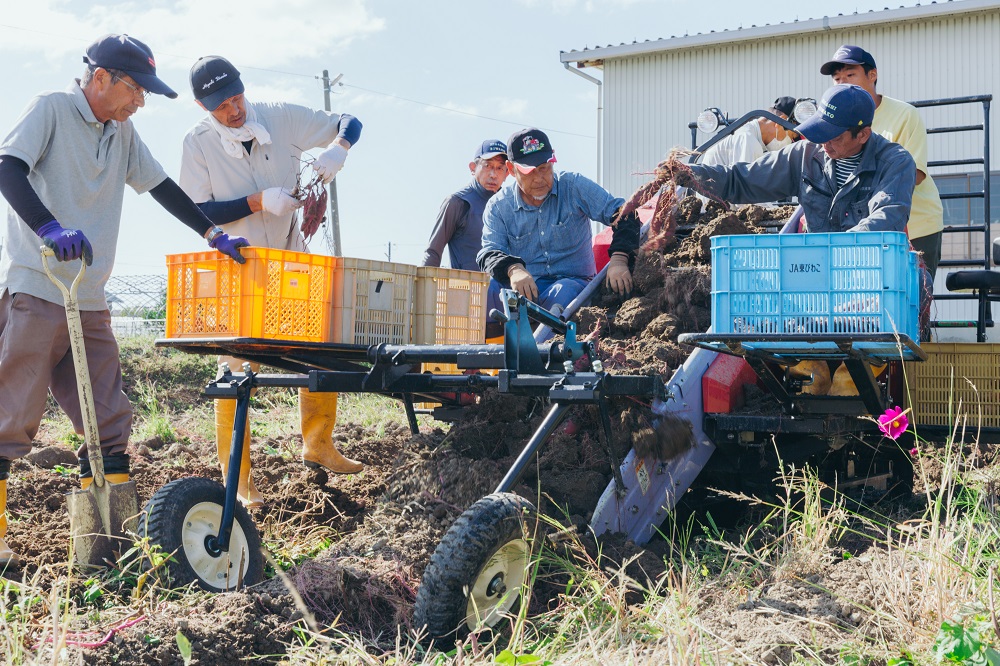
(254,33)
(588,6)
(511,108)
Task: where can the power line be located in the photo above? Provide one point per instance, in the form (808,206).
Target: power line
(320,78)
(464,113)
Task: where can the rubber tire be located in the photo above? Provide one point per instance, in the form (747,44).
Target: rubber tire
(475,537)
(162,520)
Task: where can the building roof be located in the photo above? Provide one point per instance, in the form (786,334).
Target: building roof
(594,57)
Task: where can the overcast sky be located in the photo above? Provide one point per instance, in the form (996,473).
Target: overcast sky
(429,80)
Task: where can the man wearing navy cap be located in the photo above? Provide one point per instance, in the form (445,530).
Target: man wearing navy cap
(900,122)
(459,224)
(537,235)
(846,178)
(240,164)
(63,170)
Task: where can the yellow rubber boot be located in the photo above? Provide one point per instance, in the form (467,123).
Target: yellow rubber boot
(7,556)
(225,416)
(318,414)
(86,481)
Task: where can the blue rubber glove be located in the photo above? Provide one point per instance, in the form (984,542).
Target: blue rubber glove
(66,243)
(230,245)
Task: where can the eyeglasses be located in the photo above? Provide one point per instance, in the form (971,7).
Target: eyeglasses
(135,89)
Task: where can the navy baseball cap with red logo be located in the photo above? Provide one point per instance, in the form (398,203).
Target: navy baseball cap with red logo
(129,55)
(529,148)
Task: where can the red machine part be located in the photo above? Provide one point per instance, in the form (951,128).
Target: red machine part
(602,242)
(722,385)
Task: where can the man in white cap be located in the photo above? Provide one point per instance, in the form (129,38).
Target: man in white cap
(63,170)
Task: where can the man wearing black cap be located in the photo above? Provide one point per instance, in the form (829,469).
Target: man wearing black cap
(899,122)
(240,164)
(537,234)
(63,170)
(753,139)
(846,177)
(460,221)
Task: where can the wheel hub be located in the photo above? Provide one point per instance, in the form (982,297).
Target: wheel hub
(496,586)
(496,590)
(221,570)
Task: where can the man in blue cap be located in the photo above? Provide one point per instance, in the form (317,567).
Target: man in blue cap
(459,224)
(63,170)
(845,177)
(900,122)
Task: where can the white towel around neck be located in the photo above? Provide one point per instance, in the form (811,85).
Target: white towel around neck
(233,137)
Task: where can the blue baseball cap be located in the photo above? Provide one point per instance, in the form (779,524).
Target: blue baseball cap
(214,80)
(842,107)
(490,149)
(129,55)
(847,54)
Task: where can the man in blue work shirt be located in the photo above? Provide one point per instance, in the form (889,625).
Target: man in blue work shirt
(536,230)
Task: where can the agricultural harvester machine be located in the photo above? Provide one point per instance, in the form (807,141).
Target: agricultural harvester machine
(855,306)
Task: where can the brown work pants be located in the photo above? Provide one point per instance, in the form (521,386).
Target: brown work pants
(35,358)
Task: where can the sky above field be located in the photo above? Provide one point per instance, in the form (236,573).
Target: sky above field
(429,80)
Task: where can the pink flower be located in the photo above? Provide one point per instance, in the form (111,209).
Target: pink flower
(914,452)
(894,422)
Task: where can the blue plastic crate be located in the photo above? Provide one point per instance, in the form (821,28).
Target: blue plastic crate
(865,282)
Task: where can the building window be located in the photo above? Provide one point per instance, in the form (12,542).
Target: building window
(963,212)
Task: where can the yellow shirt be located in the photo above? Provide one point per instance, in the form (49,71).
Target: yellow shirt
(899,122)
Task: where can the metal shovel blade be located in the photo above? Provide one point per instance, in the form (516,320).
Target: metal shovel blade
(99,516)
(98,539)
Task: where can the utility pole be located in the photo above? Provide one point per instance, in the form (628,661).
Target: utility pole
(333,239)
(389,254)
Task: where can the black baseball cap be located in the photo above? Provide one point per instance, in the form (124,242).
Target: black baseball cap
(129,55)
(784,104)
(214,80)
(529,148)
(841,108)
(847,54)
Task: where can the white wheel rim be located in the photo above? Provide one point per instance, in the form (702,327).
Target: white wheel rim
(226,571)
(498,586)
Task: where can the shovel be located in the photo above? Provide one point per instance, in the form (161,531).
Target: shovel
(101,516)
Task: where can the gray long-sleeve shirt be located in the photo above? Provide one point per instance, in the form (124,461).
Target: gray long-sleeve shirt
(875,198)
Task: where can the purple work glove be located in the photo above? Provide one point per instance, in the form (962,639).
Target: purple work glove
(230,245)
(66,243)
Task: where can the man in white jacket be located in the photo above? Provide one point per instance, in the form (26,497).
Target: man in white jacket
(753,139)
(240,165)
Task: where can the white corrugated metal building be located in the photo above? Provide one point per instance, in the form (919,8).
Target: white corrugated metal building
(652,90)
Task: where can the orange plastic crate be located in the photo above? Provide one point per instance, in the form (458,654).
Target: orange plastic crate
(276,294)
(373,302)
(450,306)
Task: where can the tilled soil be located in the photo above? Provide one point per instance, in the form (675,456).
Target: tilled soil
(386,521)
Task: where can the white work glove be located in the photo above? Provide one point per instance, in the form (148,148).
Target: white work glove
(330,162)
(279,201)
(522,282)
(619,278)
